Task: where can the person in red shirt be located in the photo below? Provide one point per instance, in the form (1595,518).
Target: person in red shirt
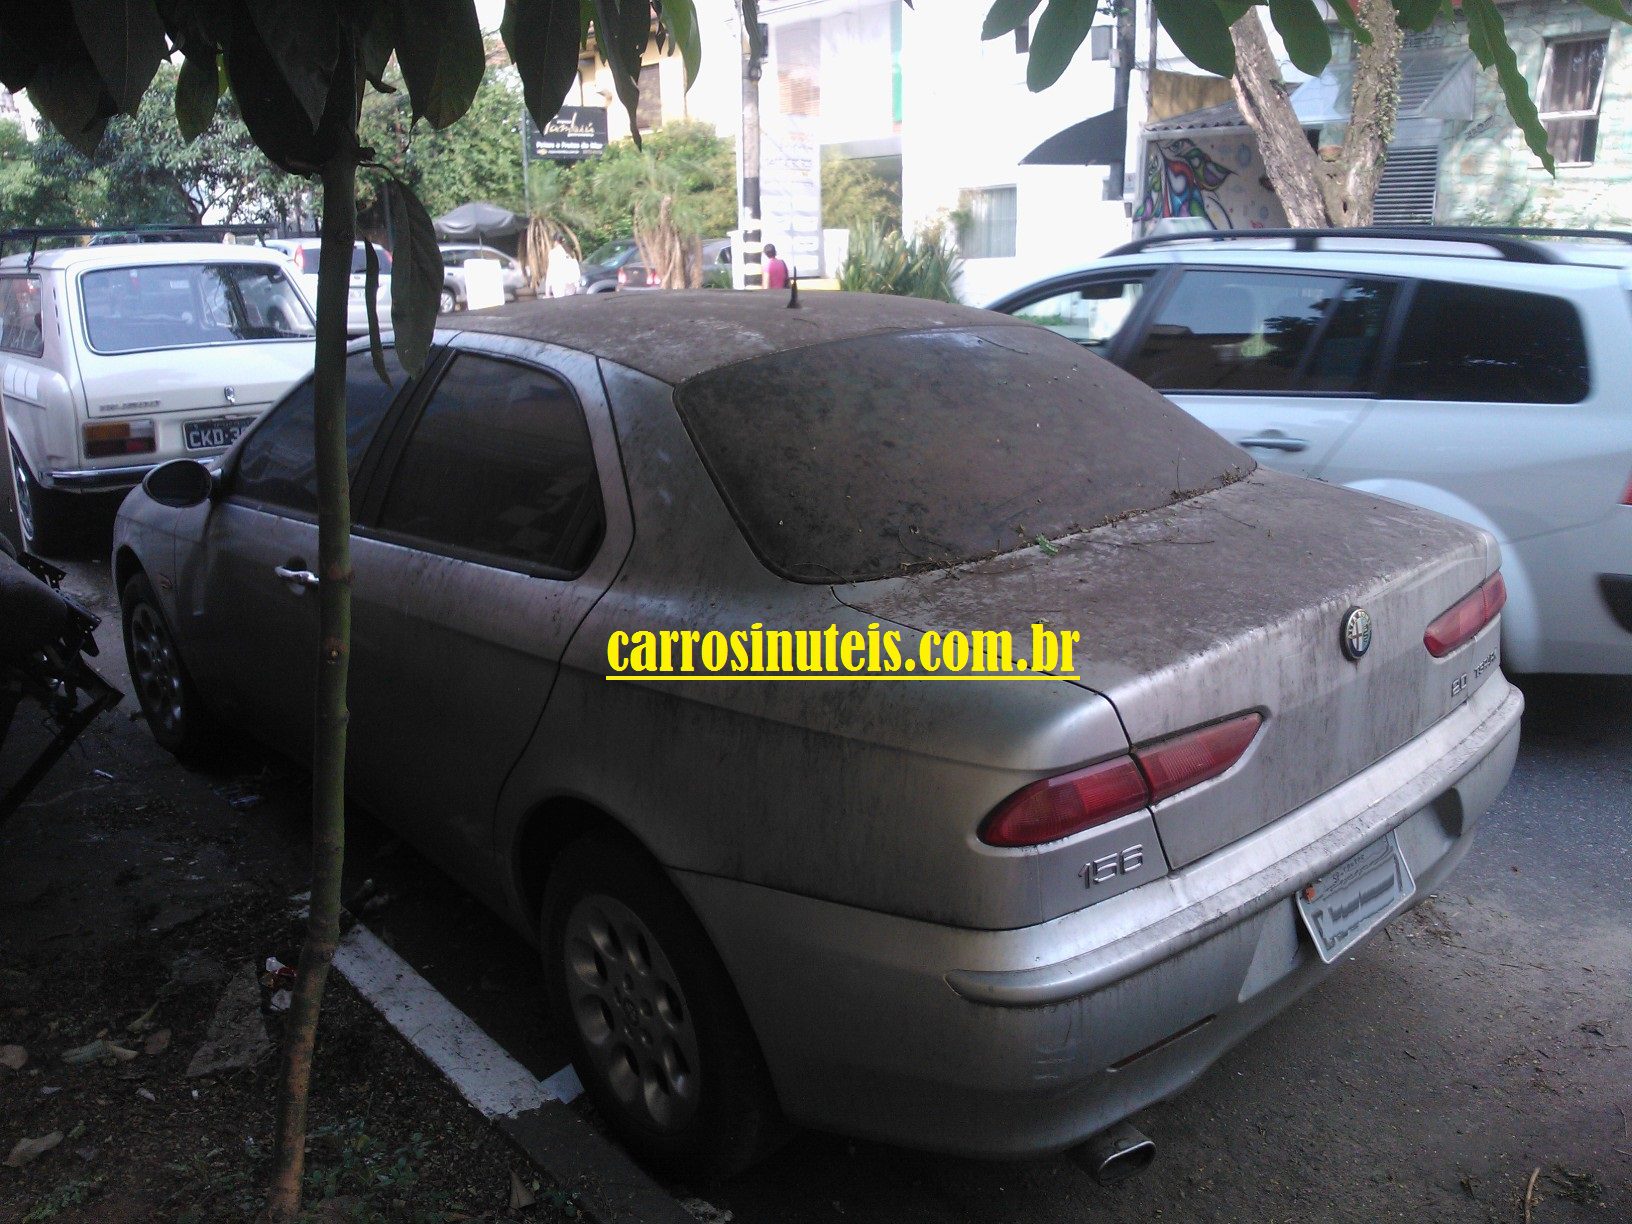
(776,272)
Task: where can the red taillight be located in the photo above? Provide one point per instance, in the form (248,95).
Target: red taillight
(105,439)
(1186,760)
(1466,617)
(1058,807)
(1626,498)
(300,258)
(1054,808)
(623,276)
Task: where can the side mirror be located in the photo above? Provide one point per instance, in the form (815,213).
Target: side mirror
(179,484)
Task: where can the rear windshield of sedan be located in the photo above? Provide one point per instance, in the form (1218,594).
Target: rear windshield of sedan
(865,458)
(164,306)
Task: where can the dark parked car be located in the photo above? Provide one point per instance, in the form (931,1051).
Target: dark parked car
(991,918)
(715,269)
(598,273)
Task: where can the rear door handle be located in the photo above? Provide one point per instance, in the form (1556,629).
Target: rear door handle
(1278,442)
(300,577)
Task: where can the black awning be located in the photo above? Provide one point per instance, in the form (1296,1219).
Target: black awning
(1099,141)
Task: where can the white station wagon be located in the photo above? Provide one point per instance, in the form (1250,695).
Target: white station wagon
(1482,373)
(116,358)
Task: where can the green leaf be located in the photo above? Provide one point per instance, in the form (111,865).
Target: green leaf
(439,48)
(1487,39)
(302,39)
(1351,23)
(1609,8)
(198,86)
(622,28)
(371,288)
(680,19)
(416,277)
(1304,31)
(1007,16)
(1415,14)
(378,44)
(1060,31)
(543,37)
(1201,33)
(73,100)
(126,42)
(1234,10)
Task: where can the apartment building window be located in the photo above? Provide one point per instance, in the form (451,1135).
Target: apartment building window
(649,108)
(990,222)
(1572,83)
(799,68)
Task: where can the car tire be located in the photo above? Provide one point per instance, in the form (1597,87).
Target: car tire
(656,1031)
(45,517)
(448,303)
(165,692)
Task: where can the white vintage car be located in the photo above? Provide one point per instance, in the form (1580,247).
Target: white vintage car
(116,358)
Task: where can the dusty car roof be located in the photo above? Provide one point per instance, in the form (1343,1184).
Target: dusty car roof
(677,335)
(124,254)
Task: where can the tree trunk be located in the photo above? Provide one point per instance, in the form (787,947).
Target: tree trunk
(1316,189)
(1350,182)
(1289,161)
(334,611)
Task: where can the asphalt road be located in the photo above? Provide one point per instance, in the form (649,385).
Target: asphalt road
(1486,1036)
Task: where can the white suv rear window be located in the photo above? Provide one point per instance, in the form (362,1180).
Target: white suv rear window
(164,306)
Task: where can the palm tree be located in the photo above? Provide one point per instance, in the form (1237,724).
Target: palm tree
(551,214)
(667,217)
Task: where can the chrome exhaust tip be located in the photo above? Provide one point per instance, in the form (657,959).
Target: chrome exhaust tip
(1115,1154)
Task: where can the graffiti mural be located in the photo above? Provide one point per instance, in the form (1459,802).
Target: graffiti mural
(1181,180)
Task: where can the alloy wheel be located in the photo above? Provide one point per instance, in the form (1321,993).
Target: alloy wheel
(630,1010)
(155,669)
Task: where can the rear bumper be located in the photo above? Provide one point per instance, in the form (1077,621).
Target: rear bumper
(1021,1042)
(99,480)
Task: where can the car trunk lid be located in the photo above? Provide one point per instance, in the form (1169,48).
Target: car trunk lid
(1235,601)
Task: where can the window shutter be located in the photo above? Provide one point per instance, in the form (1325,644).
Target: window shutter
(1409,187)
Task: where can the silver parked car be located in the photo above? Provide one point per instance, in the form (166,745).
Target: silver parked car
(991,918)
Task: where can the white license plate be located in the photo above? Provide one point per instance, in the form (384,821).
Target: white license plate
(215,433)
(1352,900)
(357,298)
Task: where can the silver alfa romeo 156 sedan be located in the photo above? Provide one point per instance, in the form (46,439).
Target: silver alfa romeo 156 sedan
(994,917)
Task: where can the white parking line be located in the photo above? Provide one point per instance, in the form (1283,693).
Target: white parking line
(486,1076)
(611,1188)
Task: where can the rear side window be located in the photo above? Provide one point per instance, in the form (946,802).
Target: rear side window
(1224,330)
(500,466)
(276,466)
(1470,342)
(20,315)
(865,458)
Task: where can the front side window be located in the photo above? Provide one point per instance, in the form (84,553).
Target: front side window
(276,466)
(20,315)
(1500,346)
(1092,315)
(1572,80)
(990,220)
(500,466)
(165,306)
(1224,330)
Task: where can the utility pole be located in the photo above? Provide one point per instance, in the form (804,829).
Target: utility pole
(1123,50)
(752,236)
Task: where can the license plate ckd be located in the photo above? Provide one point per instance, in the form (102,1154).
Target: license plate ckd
(215,433)
(1355,897)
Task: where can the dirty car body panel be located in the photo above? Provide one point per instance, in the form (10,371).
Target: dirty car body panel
(886,463)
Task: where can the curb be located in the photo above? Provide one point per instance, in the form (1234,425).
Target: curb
(531,1112)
